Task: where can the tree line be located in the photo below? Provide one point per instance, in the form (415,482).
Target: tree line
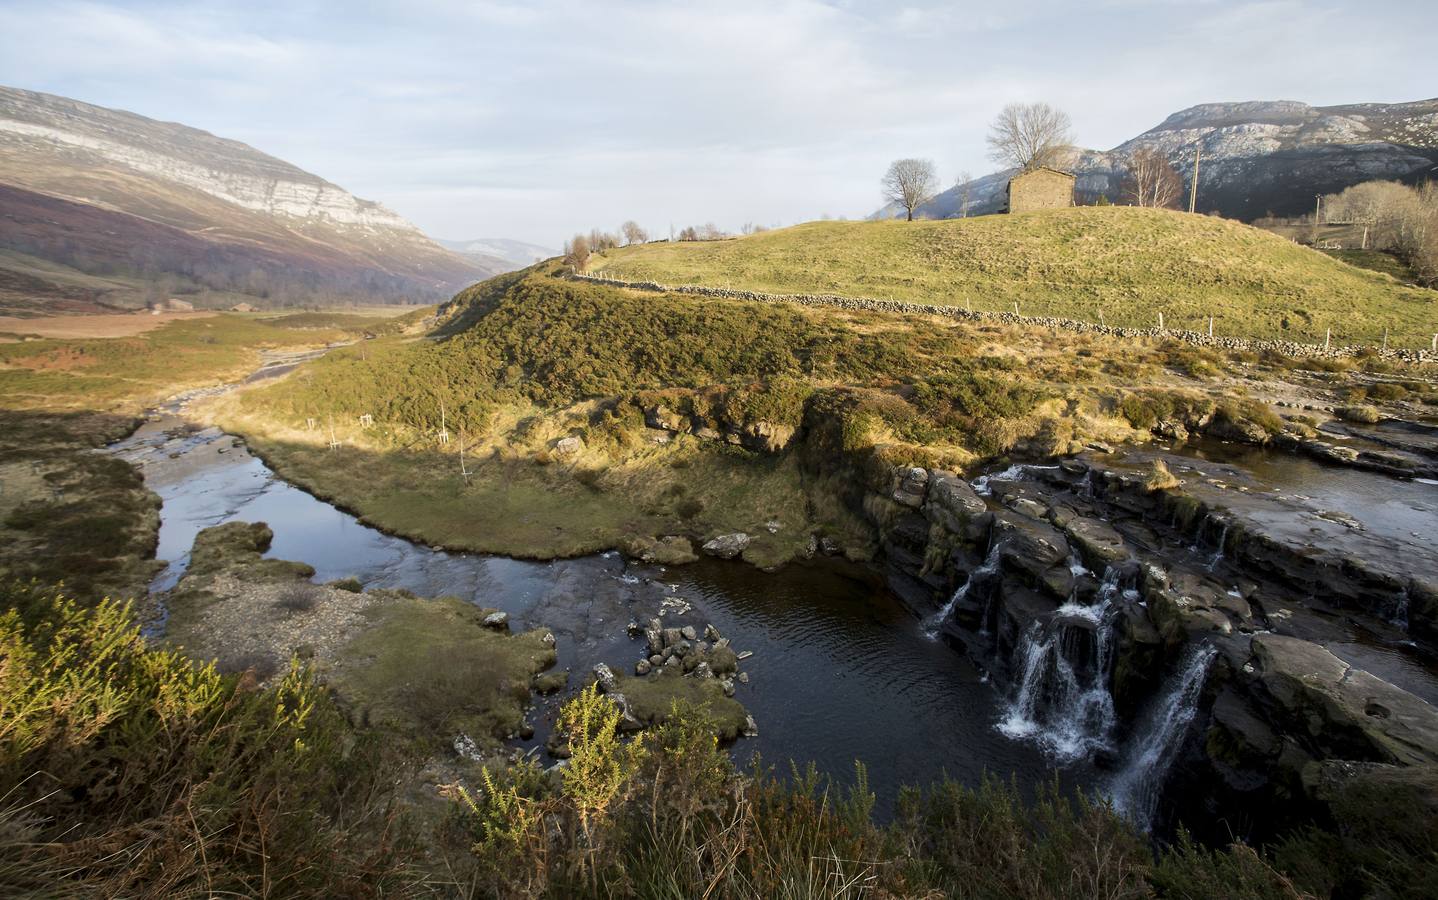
(1400,218)
(579,248)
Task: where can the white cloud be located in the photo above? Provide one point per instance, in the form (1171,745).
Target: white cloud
(538,119)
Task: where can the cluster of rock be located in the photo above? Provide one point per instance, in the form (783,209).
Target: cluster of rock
(684,651)
(765,437)
(1123,578)
(1287,348)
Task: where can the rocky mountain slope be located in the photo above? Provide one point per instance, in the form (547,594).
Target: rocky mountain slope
(107,191)
(1258,158)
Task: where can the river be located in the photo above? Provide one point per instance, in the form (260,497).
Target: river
(841,671)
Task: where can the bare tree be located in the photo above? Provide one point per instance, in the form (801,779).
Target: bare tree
(1151,181)
(910,183)
(633,234)
(1029,135)
(576,252)
(965,184)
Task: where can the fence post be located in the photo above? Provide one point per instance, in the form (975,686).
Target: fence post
(1160,321)
(1328,336)
(1210,327)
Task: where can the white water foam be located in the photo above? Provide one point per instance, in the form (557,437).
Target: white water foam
(934,623)
(1135,788)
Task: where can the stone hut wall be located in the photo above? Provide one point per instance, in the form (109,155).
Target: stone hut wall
(1041,189)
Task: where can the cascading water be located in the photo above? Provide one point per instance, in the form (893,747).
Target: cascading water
(1399,613)
(1062,699)
(989,566)
(1135,789)
(1218,554)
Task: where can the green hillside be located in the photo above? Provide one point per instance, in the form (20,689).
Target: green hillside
(1128,263)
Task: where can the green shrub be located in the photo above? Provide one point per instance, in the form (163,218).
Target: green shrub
(128,771)
(1361,414)
(1387,392)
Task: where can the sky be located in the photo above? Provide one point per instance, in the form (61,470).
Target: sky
(535,120)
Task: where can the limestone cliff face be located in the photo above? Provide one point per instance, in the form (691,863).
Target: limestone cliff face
(1257,157)
(248,210)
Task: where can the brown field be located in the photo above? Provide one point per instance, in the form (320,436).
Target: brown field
(97,326)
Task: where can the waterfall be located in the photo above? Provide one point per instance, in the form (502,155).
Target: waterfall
(1135,788)
(990,565)
(1218,554)
(1399,615)
(1062,698)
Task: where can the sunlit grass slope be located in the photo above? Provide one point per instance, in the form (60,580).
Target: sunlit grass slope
(1131,264)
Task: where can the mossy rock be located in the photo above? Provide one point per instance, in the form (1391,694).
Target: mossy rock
(551,682)
(237,548)
(652,698)
(431,668)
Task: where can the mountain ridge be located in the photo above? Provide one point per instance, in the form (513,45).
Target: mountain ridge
(231,218)
(1258,157)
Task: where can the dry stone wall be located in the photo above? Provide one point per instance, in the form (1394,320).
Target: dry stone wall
(1198,339)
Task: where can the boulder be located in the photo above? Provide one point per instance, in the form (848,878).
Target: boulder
(1029,545)
(604,675)
(727,546)
(497,620)
(670,550)
(766,437)
(569,446)
(1343,711)
(1031,508)
(1098,544)
(912,485)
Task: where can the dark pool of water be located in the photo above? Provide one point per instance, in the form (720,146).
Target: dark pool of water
(841,670)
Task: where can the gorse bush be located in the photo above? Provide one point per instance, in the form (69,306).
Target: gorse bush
(679,820)
(129,771)
(535,339)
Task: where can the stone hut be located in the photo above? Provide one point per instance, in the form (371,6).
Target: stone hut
(1041,188)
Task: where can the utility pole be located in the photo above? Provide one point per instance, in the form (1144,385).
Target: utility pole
(1193,190)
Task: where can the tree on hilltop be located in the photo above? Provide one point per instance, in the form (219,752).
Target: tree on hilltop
(1030,135)
(965,184)
(633,234)
(1151,181)
(911,183)
(576,252)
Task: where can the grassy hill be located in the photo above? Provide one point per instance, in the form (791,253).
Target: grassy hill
(1128,263)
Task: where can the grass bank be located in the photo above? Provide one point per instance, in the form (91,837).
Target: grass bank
(130,373)
(1130,264)
(525,362)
